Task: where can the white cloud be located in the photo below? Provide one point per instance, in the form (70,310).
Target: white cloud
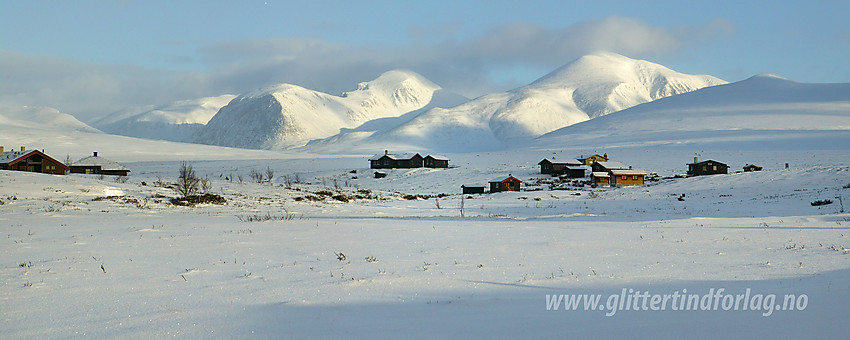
(466,66)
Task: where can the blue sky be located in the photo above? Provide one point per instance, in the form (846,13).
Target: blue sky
(89,58)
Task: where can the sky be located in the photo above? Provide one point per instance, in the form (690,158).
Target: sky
(91,58)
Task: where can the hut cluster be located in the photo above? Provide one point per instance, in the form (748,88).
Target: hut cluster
(40,162)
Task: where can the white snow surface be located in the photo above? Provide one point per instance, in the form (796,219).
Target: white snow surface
(589,87)
(764,108)
(179,121)
(40,118)
(288,115)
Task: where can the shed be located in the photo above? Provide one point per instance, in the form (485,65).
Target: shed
(509,183)
(435,161)
(709,167)
(31,161)
(600,178)
(95,164)
(472,189)
(751,168)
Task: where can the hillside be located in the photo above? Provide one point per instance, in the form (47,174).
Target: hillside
(288,115)
(178,121)
(39,118)
(763,108)
(589,87)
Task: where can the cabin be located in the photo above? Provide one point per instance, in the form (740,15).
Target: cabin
(433,161)
(626,177)
(95,164)
(751,168)
(709,167)
(593,159)
(606,166)
(392,161)
(509,183)
(602,179)
(472,189)
(555,168)
(31,161)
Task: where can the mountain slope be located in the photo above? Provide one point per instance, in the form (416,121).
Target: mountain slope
(178,122)
(589,87)
(40,118)
(759,108)
(287,115)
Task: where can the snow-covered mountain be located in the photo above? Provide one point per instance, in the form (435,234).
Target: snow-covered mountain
(589,87)
(288,115)
(40,118)
(179,121)
(762,108)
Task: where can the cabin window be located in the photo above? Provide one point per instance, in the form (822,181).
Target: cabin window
(715,168)
(386,161)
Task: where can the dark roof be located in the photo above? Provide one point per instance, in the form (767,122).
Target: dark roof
(394,156)
(709,161)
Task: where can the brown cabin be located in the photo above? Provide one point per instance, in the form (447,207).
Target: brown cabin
(751,168)
(509,183)
(602,179)
(560,167)
(433,161)
(627,177)
(709,167)
(31,161)
(392,161)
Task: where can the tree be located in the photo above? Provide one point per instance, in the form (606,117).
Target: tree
(187,181)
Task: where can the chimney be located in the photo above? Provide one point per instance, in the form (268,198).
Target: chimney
(386,152)
(695,160)
(23,148)
(94,153)
(630,167)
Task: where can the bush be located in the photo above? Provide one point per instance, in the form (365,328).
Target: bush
(821,202)
(187,181)
(191,200)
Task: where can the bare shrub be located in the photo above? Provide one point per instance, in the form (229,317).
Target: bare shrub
(187,181)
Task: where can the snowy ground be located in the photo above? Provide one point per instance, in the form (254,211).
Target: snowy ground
(85,256)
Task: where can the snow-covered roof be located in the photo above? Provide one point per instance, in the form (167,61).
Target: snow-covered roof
(502,179)
(103,163)
(472,185)
(11,156)
(565,161)
(612,165)
(599,174)
(438,157)
(629,172)
(394,156)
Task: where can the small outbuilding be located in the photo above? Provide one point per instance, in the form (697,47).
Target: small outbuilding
(95,164)
(602,179)
(31,161)
(472,189)
(709,167)
(509,183)
(751,168)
